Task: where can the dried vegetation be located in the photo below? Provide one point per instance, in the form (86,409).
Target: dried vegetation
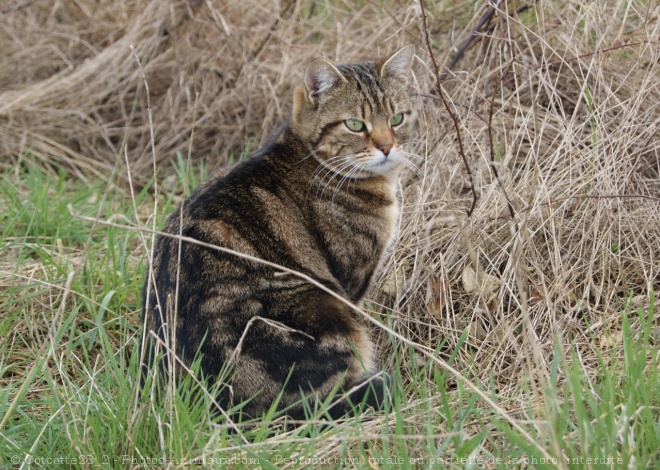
(559,114)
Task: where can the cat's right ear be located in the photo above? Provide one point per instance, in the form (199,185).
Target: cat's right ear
(321,76)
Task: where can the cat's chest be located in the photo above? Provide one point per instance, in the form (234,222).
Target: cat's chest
(354,234)
(391,216)
(371,214)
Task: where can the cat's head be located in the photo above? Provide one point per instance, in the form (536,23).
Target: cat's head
(355,117)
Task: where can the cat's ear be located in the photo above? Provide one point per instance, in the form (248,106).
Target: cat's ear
(398,64)
(321,76)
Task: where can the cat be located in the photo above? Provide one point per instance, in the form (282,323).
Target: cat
(319,199)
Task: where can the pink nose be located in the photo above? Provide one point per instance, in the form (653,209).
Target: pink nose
(384,147)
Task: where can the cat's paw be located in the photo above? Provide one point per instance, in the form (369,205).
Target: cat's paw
(373,391)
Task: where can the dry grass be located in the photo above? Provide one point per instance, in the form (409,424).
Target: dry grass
(568,90)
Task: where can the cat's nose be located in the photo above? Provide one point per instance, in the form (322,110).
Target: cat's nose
(384,147)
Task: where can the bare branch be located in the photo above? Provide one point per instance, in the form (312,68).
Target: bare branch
(451,113)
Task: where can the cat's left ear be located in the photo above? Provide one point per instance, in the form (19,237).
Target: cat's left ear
(398,64)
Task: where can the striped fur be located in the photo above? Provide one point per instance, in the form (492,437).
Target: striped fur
(319,199)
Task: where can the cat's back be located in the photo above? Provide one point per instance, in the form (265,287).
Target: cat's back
(259,207)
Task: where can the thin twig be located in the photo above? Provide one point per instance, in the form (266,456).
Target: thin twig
(549,65)
(485,21)
(597,196)
(551,201)
(453,116)
(491,146)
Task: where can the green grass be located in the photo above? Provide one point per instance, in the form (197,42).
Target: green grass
(70,326)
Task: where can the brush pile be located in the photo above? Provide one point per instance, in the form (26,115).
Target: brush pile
(559,125)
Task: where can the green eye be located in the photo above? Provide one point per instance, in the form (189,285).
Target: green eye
(396,119)
(354,125)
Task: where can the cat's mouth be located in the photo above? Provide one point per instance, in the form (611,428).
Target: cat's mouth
(381,163)
(364,165)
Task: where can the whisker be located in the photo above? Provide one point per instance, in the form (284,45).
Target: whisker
(360,167)
(344,179)
(407,163)
(410,154)
(347,164)
(322,171)
(415,170)
(313,152)
(322,167)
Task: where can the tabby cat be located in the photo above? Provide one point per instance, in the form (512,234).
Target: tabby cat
(319,199)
